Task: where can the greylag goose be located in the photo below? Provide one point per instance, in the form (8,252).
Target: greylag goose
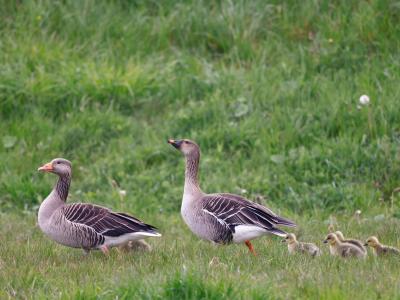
(344,250)
(81,225)
(356,243)
(379,249)
(295,246)
(222,218)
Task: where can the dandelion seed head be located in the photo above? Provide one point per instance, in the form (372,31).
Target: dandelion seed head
(364,100)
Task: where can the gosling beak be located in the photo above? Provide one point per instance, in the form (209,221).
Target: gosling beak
(283,241)
(46,168)
(325,241)
(176,143)
(366,244)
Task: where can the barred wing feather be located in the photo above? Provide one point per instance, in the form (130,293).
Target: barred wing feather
(103,220)
(234,210)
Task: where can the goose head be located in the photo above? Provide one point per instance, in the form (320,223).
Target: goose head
(187,147)
(372,242)
(331,239)
(59,166)
(290,238)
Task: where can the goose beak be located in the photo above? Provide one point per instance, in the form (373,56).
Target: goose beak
(325,241)
(46,168)
(366,244)
(176,144)
(283,241)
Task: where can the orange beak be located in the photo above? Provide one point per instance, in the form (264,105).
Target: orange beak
(46,168)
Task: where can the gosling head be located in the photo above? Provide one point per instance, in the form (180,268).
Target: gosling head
(289,238)
(187,147)
(340,235)
(331,239)
(59,166)
(372,242)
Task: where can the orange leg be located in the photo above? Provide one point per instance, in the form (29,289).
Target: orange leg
(251,248)
(105,250)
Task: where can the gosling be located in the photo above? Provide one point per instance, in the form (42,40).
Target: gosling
(139,245)
(354,242)
(296,246)
(381,250)
(344,250)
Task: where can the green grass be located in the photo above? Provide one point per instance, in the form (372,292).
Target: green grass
(273,86)
(178,267)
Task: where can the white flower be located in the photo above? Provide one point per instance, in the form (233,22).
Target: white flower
(122,193)
(364,100)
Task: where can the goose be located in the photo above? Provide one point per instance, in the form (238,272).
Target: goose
(379,249)
(356,243)
(222,218)
(344,250)
(82,225)
(295,246)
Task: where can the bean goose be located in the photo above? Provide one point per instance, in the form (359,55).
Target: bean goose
(222,218)
(81,225)
(356,243)
(295,246)
(344,250)
(379,249)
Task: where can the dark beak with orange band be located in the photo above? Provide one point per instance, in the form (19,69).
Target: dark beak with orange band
(176,143)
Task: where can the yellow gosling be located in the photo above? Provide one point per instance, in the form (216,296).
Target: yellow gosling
(381,250)
(344,250)
(296,246)
(355,242)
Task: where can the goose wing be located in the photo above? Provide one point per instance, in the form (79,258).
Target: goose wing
(233,210)
(104,221)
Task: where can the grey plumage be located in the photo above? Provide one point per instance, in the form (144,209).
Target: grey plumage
(222,218)
(81,225)
(229,211)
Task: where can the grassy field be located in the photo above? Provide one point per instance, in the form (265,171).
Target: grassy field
(268,89)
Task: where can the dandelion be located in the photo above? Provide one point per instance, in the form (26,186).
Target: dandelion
(364,100)
(330,40)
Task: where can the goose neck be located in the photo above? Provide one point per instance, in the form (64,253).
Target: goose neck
(54,200)
(62,187)
(191,173)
